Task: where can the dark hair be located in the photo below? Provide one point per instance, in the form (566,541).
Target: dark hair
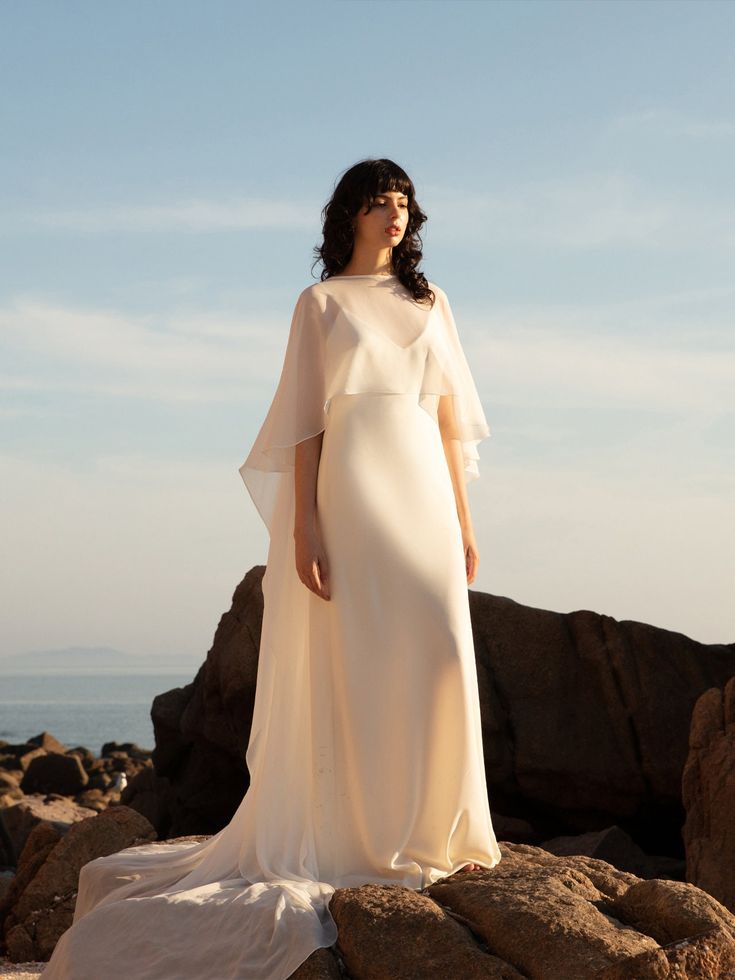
(357,188)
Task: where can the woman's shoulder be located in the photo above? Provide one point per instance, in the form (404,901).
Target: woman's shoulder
(437,290)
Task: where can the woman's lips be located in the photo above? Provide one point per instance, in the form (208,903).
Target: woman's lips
(393,230)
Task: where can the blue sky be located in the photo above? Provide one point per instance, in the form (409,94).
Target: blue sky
(163,169)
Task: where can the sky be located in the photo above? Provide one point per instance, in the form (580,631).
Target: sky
(162,171)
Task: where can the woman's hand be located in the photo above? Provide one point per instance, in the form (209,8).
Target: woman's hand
(311,561)
(471,553)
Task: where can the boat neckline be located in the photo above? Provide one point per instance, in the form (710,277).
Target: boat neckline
(367,275)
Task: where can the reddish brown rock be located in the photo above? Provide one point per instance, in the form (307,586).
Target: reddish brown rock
(202,729)
(9,780)
(54,773)
(708,789)
(533,915)
(40,843)
(580,918)
(152,795)
(388,931)
(553,915)
(617,696)
(321,965)
(48,742)
(43,908)
(23,816)
(27,758)
(616,847)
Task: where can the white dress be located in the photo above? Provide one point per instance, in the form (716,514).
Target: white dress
(365,753)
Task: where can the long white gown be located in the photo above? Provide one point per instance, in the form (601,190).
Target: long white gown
(365,754)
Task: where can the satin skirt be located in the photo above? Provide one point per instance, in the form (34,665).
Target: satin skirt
(365,753)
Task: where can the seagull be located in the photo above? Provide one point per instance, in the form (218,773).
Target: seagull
(119,782)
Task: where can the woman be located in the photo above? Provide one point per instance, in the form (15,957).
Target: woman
(365,753)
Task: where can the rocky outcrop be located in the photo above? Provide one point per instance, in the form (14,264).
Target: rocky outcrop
(42,780)
(585,723)
(589,725)
(21,818)
(586,719)
(616,847)
(533,916)
(39,904)
(709,795)
(202,729)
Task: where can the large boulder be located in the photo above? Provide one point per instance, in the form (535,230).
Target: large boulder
(59,813)
(586,718)
(709,795)
(202,729)
(585,722)
(40,904)
(55,773)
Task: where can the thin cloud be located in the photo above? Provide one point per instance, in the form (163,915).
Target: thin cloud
(558,357)
(668,122)
(195,215)
(104,352)
(592,210)
(586,211)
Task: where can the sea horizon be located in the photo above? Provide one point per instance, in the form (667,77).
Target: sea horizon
(84,707)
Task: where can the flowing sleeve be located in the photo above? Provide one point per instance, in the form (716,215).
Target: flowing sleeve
(448,372)
(297,411)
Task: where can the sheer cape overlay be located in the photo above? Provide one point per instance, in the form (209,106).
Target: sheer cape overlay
(339,336)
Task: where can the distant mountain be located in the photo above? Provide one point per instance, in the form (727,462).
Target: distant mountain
(91,659)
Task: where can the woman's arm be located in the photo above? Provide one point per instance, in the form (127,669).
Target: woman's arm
(455,461)
(311,558)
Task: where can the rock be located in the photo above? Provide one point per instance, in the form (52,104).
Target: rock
(153,798)
(85,756)
(9,780)
(130,749)
(45,906)
(618,697)
(6,880)
(94,799)
(671,911)
(708,790)
(39,845)
(48,742)
(21,818)
(25,760)
(514,828)
(705,957)
(533,915)
(321,965)
(615,846)
(544,912)
(202,729)
(389,931)
(55,773)
(583,918)
(586,718)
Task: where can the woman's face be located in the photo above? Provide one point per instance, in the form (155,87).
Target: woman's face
(385,225)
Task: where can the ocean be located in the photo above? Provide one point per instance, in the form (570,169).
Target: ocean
(83,708)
